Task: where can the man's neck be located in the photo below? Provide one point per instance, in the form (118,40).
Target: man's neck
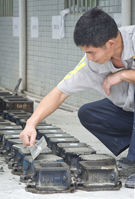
(119,47)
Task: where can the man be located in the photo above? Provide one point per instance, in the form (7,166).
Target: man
(108,67)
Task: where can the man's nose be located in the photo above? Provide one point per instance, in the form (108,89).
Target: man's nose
(89,56)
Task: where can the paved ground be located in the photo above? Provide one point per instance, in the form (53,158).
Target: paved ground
(12,188)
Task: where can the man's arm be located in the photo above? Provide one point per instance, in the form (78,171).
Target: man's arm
(47,106)
(116,78)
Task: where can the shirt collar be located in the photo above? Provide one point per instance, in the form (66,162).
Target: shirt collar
(128,51)
(103,68)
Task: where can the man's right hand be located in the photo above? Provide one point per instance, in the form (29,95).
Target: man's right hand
(28,136)
(47,106)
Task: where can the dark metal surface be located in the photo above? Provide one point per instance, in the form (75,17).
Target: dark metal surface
(26,104)
(20,116)
(54,141)
(8,132)
(17,120)
(1,119)
(28,164)
(6,138)
(12,156)
(60,147)
(6,113)
(98,173)
(11,127)
(23,123)
(46,127)
(50,178)
(49,131)
(6,122)
(60,135)
(10,143)
(17,113)
(71,155)
(22,152)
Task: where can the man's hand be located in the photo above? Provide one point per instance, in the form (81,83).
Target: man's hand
(110,80)
(47,106)
(28,136)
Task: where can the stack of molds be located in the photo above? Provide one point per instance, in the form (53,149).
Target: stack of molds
(63,166)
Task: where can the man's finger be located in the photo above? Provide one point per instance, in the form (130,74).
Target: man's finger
(32,140)
(25,140)
(108,92)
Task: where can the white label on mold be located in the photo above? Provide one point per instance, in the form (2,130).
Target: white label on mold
(73,144)
(10,131)
(15,136)
(52,130)
(58,134)
(61,139)
(8,127)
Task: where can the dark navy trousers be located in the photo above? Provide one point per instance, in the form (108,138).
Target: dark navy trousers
(113,126)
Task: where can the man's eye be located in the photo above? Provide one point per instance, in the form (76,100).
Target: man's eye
(90,53)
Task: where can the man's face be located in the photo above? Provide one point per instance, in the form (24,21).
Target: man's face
(99,55)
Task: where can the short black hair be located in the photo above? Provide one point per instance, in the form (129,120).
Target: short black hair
(95,28)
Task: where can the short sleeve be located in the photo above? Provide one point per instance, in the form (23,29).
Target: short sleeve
(77,80)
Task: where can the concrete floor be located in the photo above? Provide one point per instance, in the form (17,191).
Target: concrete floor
(12,188)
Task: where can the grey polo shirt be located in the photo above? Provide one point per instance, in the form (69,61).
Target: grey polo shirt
(88,74)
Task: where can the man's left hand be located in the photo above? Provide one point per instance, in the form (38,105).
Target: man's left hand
(110,80)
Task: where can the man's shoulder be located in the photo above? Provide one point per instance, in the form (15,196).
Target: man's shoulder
(129,29)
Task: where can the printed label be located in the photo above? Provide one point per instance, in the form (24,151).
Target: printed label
(58,134)
(15,136)
(73,144)
(48,127)
(52,130)
(61,139)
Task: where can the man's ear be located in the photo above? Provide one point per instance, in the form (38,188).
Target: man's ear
(111,43)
